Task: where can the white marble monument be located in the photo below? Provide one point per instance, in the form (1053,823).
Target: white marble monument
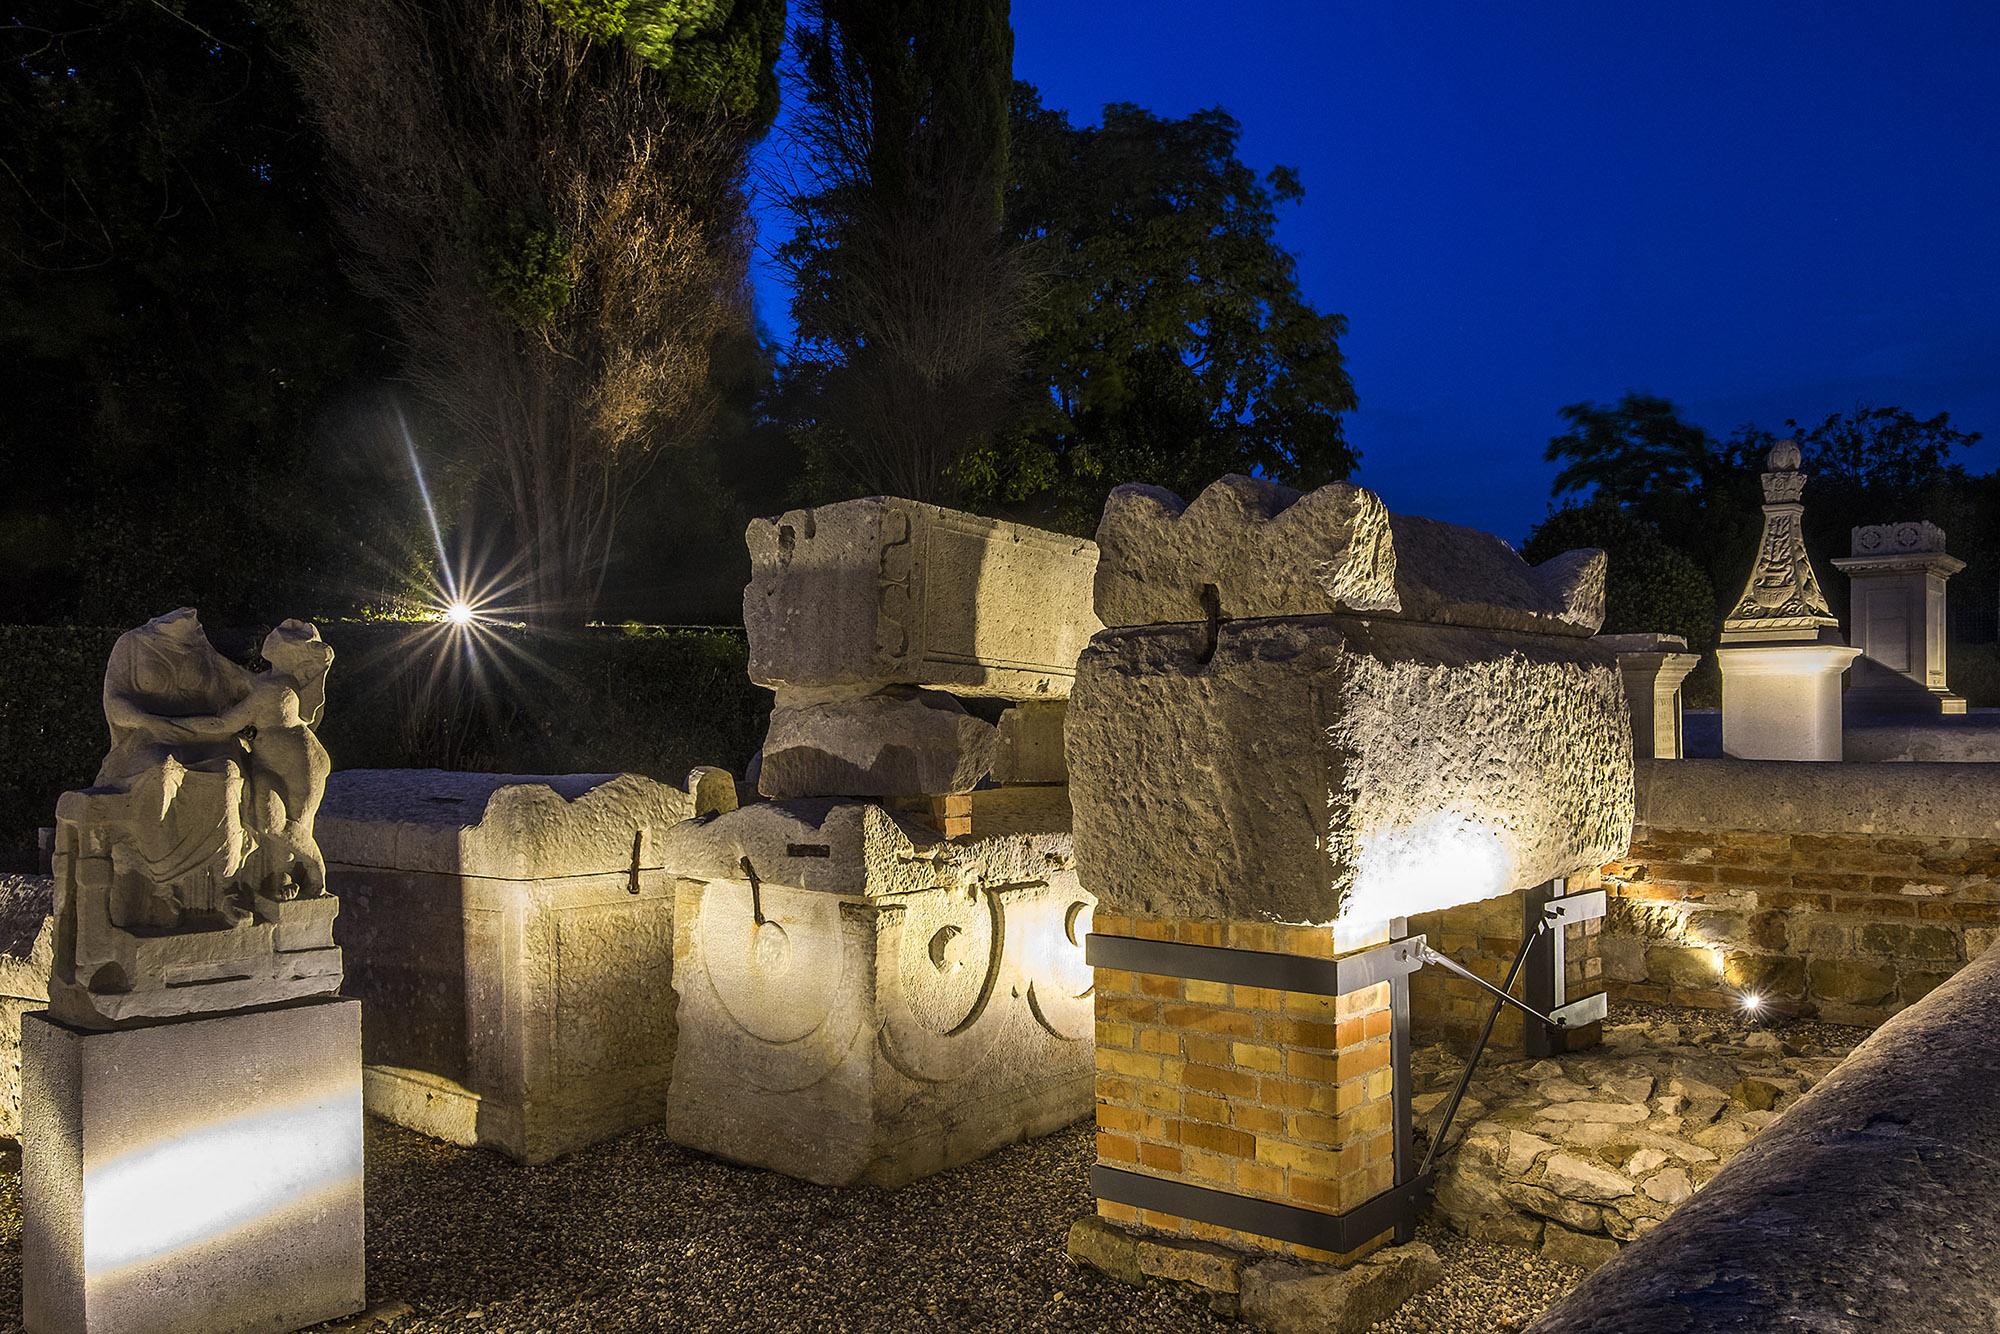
(1781,655)
(1896,609)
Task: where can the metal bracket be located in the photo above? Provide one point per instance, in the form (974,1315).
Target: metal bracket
(1257,968)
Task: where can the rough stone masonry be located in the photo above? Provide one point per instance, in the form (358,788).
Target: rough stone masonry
(1305,720)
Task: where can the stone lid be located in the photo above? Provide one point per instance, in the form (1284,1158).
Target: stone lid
(503,826)
(1894,539)
(857,848)
(1247,548)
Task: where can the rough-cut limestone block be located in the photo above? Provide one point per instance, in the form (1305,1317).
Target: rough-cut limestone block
(913,1006)
(1316,768)
(894,742)
(203,1174)
(1029,747)
(512,939)
(892,592)
(1247,548)
(1265,549)
(27,948)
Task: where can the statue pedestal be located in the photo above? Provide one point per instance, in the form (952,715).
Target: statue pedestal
(1782,701)
(196,1176)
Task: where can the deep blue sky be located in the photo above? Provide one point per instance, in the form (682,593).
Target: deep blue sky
(1760,211)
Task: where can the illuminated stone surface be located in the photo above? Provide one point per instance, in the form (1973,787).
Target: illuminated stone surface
(896,742)
(1246,548)
(1652,668)
(187,877)
(203,1174)
(512,938)
(1896,599)
(884,591)
(1311,768)
(27,946)
(863,1001)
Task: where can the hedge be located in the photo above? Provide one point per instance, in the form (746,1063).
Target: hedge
(628,700)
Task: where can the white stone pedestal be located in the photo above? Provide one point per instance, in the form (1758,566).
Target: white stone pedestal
(195,1177)
(1782,701)
(1896,602)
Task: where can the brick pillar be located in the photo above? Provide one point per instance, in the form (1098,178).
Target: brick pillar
(1267,1094)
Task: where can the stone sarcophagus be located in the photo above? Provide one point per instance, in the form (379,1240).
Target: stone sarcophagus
(862,1000)
(1306,721)
(512,939)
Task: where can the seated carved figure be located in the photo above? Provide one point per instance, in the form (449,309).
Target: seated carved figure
(188,879)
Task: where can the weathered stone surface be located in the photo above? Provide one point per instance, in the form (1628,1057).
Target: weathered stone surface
(1213,1268)
(1307,769)
(513,940)
(1028,747)
(1578,1179)
(862,1000)
(885,591)
(1896,800)
(505,826)
(1296,1299)
(1107,1249)
(1575,1248)
(1247,548)
(187,877)
(1871,1205)
(894,742)
(1244,547)
(27,948)
(251,1221)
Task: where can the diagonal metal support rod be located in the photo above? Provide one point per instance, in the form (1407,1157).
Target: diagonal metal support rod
(1485,1032)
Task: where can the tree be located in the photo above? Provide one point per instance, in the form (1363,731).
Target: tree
(547,199)
(906,291)
(1170,341)
(177,345)
(1882,448)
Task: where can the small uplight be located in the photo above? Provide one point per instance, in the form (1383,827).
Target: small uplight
(459,613)
(1752,1003)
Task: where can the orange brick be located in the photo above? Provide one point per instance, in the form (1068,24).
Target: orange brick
(1212,1232)
(1315,942)
(1300,1158)
(1296,1094)
(1376,1025)
(1167,988)
(1110,924)
(1317,1192)
(1127,1009)
(1233,1022)
(1152,928)
(1257,1120)
(1114,1035)
(1117,1213)
(1199,992)
(1301,1033)
(1201,1107)
(1304,1126)
(1361,1002)
(1350,1032)
(1218,1139)
(1162,1097)
(1204,1050)
(1214,1079)
(1260,1178)
(1117,1148)
(1160,1157)
(1137,1064)
(1130,1120)
(1311,1007)
(1198,933)
(1253,936)
(1370,1118)
(1160,1041)
(1259,998)
(1213,1168)
(1257,1056)
(1114,982)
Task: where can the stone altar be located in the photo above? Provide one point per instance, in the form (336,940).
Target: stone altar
(512,937)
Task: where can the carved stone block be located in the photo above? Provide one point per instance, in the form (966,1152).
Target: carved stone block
(861,1001)
(512,938)
(884,591)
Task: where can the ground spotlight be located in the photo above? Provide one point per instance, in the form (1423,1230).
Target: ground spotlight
(1751,1002)
(459,613)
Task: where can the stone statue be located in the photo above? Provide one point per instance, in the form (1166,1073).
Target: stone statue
(1782,598)
(188,879)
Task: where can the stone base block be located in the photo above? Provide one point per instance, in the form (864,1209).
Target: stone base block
(878,1038)
(198,1177)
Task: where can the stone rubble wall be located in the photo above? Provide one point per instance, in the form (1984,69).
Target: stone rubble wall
(1873,1205)
(1848,891)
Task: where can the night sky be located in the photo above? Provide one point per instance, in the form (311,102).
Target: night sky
(1759,211)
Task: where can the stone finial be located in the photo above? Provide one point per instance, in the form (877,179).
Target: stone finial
(188,879)
(1782,598)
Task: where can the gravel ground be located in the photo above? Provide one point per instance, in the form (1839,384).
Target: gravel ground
(639,1234)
